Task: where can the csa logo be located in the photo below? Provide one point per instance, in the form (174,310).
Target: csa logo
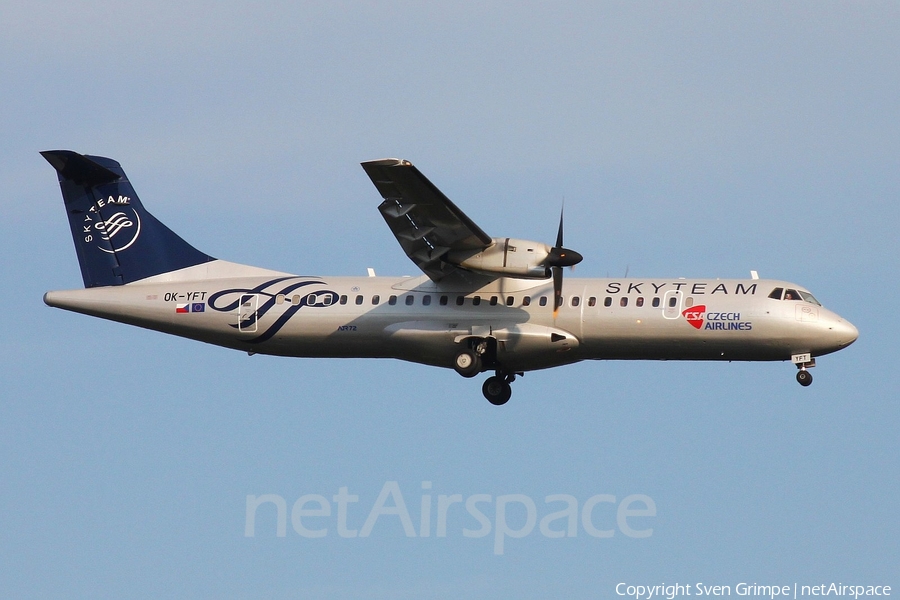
(694,315)
(715,321)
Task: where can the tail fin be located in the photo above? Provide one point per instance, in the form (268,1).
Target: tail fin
(116,239)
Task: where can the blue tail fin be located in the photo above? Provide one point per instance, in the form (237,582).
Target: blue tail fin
(116,239)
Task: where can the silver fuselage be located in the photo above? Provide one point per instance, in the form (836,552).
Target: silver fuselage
(418,320)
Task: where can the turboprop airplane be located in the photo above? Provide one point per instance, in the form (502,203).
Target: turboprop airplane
(483,304)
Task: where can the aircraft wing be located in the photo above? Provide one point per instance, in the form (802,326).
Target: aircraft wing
(425,222)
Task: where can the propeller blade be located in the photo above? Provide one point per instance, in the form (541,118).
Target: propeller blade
(558,258)
(559,234)
(557,289)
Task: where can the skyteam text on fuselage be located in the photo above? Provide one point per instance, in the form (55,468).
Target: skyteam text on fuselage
(483,303)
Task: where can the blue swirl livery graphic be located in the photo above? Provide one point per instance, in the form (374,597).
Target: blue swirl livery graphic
(268,292)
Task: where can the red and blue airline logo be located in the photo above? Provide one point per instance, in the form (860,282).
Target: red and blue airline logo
(694,315)
(700,318)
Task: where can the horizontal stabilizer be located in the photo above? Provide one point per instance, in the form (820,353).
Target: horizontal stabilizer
(79,169)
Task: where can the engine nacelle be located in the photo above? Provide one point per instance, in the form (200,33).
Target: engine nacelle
(507,256)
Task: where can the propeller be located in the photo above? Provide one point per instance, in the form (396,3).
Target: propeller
(558,258)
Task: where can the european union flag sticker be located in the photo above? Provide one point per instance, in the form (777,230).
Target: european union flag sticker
(198,307)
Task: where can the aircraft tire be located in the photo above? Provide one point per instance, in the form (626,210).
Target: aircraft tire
(804,377)
(467,364)
(496,390)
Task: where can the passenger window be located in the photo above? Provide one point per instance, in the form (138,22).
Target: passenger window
(791,295)
(426,300)
(343,299)
(410,299)
(526,301)
(640,301)
(510,300)
(673,301)
(392,300)
(656,303)
(359,299)
(607,301)
(460,300)
(592,301)
(575,300)
(543,301)
(776,293)
(376,299)
(689,302)
(295,300)
(623,301)
(493,300)
(444,300)
(476,300)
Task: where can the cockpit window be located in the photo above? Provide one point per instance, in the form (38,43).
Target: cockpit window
(809,298)
(782,294)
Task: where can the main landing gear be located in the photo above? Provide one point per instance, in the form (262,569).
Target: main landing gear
(467,363)
(497,389)
(480,356)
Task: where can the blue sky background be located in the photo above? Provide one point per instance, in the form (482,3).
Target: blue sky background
(696,139)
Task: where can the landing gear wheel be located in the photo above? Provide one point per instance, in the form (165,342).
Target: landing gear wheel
(467,364)
(804,377)
(497,390)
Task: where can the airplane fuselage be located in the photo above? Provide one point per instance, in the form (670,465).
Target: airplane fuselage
(417,320)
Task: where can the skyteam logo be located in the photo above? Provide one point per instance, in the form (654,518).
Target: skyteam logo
(108,229)
(116,233)
(115,225)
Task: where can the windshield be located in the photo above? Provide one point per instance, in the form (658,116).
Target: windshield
(809,298)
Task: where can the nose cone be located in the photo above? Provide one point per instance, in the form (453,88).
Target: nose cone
(845,332)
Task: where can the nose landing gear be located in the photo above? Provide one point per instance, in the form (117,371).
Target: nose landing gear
(804,362)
